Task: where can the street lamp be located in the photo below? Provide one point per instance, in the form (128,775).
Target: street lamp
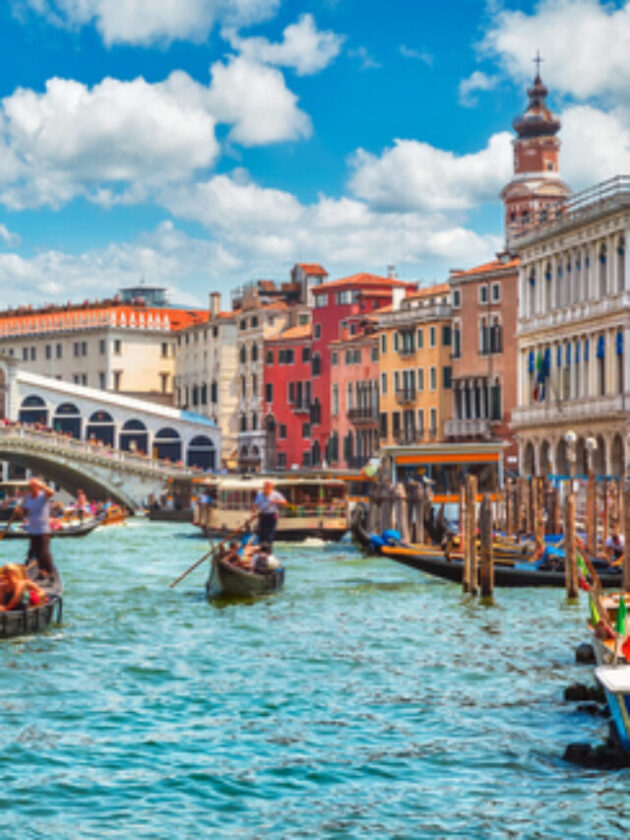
(570,440)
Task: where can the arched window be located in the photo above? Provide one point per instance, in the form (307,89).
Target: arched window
(254,352)
(101,427)
(243,355)
(167,444)
(603,271)
(621,264)
(33,410)
(201,453)
(67,420)
(134,437)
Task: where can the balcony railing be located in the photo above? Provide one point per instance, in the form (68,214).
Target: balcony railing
(479,427)
(405,395)
(406,350)
(408,438)
(301,407)
(366,414)
(567,411)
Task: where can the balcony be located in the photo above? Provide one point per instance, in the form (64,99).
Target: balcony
(568,411)
(408,438)
(479,427)
(406,351)
(301,407)
(366,415)
(405,395)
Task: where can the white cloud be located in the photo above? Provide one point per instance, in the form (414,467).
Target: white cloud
(478,80)
(416,176)
(585,45)
(256,101)
(303,47)
(150,21)
(10,239)
(596,145)
(368,62)
(418,55)
(123,141)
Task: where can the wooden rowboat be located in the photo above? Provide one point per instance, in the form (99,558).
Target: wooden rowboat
(228,579)
(78,530)
(28,620)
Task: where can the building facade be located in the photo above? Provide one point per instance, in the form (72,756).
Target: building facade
(484,303)
(205,374)
(415,373)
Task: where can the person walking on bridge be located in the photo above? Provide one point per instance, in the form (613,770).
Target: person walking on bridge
(36,508)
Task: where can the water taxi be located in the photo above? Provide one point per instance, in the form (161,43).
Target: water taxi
(317,507)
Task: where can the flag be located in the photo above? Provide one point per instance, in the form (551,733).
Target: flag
(621,616)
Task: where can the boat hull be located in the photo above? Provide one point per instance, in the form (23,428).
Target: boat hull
(25,622)
(615,681)
(230,580)
(80,530)
(290,534)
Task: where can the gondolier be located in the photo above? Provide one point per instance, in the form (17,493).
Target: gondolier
(267,504)
(36,508)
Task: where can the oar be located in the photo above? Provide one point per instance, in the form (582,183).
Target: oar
(213,551)
(9,523)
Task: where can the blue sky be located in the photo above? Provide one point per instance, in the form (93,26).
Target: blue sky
(204,143)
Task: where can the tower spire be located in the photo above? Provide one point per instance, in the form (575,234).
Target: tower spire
(538,60)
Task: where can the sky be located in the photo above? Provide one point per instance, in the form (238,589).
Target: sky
(203,144)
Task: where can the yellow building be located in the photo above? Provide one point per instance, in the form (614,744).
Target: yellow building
(415,367)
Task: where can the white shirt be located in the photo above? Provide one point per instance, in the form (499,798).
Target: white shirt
(269,504)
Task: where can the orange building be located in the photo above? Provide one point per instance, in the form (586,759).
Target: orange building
(415,372)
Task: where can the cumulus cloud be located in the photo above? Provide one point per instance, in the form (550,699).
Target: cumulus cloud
(303,47)
(256,101)
(418,55)
(122,141)
(10,239)
(416,176)
(596,145)
(149,21)
(366,59)
(477,81)
(584,43)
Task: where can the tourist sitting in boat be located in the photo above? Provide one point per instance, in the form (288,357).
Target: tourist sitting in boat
(264,561)
(267,504)
(36,508)
(16,590)
(614,546)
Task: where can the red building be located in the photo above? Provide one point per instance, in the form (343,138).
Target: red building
(287,398)
(334,303)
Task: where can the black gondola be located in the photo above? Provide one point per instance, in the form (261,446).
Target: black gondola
(28,620)
(79,530)
(228,579)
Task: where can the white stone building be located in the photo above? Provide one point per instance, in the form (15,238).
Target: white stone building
(206,373)
(574,332)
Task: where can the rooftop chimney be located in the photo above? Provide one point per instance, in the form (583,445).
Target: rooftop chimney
(398,293)
(391,272)
(215,304)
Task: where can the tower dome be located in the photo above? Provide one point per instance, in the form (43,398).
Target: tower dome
(537,120)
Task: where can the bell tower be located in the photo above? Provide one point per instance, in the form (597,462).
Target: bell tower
(536,184)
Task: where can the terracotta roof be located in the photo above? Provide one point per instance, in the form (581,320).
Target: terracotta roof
(267,285)
(382,309)
(495,265)
(429,291)
(301,331)
(312,268)
(364,280)
(366,337)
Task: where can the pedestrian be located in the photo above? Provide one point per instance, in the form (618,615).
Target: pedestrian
(267,504)
(36,508)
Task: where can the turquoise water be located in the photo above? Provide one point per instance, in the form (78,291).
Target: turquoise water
(365,700)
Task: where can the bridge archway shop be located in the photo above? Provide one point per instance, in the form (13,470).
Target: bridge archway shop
(67,420)
(134,437)
(101,427)
(34,410)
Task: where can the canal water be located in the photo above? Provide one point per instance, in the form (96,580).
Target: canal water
(365,700)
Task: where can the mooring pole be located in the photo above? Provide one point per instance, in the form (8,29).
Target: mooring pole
(487,559)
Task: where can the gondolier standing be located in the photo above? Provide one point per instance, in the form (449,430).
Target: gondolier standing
(267,503)
(36,507)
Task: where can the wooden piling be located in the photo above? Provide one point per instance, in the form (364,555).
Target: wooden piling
(591,513)
(400,511)
(626,536)
(606,512)
(509,508)
(487,558)
(570,562)
(470,575)
(412,507)
(420,513)
(373,510)
(539,519)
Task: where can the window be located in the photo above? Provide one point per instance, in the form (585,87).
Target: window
(254,421)
(76,378)
(383,424)
(420,337)
(268,392)
(243,423)
(420,379)
(242,324)
(101,380)
(243,355)
(49,351)
(334,358)
(396,381)
(84,348)
(457,298)
(396,341)
(282,431)
(344,298)
(421,422)
(496,292)
(255,321)
(374,354)
(349,396)
(84,379)
(317,331)
(306,354)
(75,348)
(335,399)
(25,354)
(117,378)
(33,353)
(254,384)
(102,346)
(164,349)
(483,294)
(432,337)
(484,338)
(269,357)
(291,397)
(447,377)
(303,319)
(214,392)
(495,402)
(215,332)
(433,378)
(306,431)
(59,351)
(254,352)
(396,423)
(446,336)
(282,460)
(433,421)
(496,336)
(383,344)
(348,357)
(117,346)
(383,384)
(317,364)
(320,301)
(457,341)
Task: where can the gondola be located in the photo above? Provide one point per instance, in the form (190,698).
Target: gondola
(79,530)
(228,579)
(29,620)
